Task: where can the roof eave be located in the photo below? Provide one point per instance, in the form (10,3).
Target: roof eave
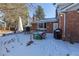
(65,9)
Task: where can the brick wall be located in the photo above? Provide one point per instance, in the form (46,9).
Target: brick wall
(61,23)
(49,27)
(72,25)
(34,26)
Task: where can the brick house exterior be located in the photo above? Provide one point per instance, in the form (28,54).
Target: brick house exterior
(34,26)
(48,25)
(69,23)
(61,23)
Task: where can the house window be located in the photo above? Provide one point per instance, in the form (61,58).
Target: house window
(42,25)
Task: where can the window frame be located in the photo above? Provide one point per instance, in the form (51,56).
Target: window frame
(43,25)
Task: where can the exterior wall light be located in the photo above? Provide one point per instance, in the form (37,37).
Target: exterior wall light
(61,15)
(77,10)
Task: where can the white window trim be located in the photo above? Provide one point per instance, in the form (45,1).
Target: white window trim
(39,27)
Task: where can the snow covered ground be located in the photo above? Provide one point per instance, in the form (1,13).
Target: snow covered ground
(15,45)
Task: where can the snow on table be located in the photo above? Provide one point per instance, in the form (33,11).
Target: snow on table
(15,45)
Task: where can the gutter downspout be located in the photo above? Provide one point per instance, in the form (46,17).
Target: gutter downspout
(64,24)
(57,14)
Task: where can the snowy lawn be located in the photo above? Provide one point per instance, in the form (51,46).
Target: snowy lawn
(16,45)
